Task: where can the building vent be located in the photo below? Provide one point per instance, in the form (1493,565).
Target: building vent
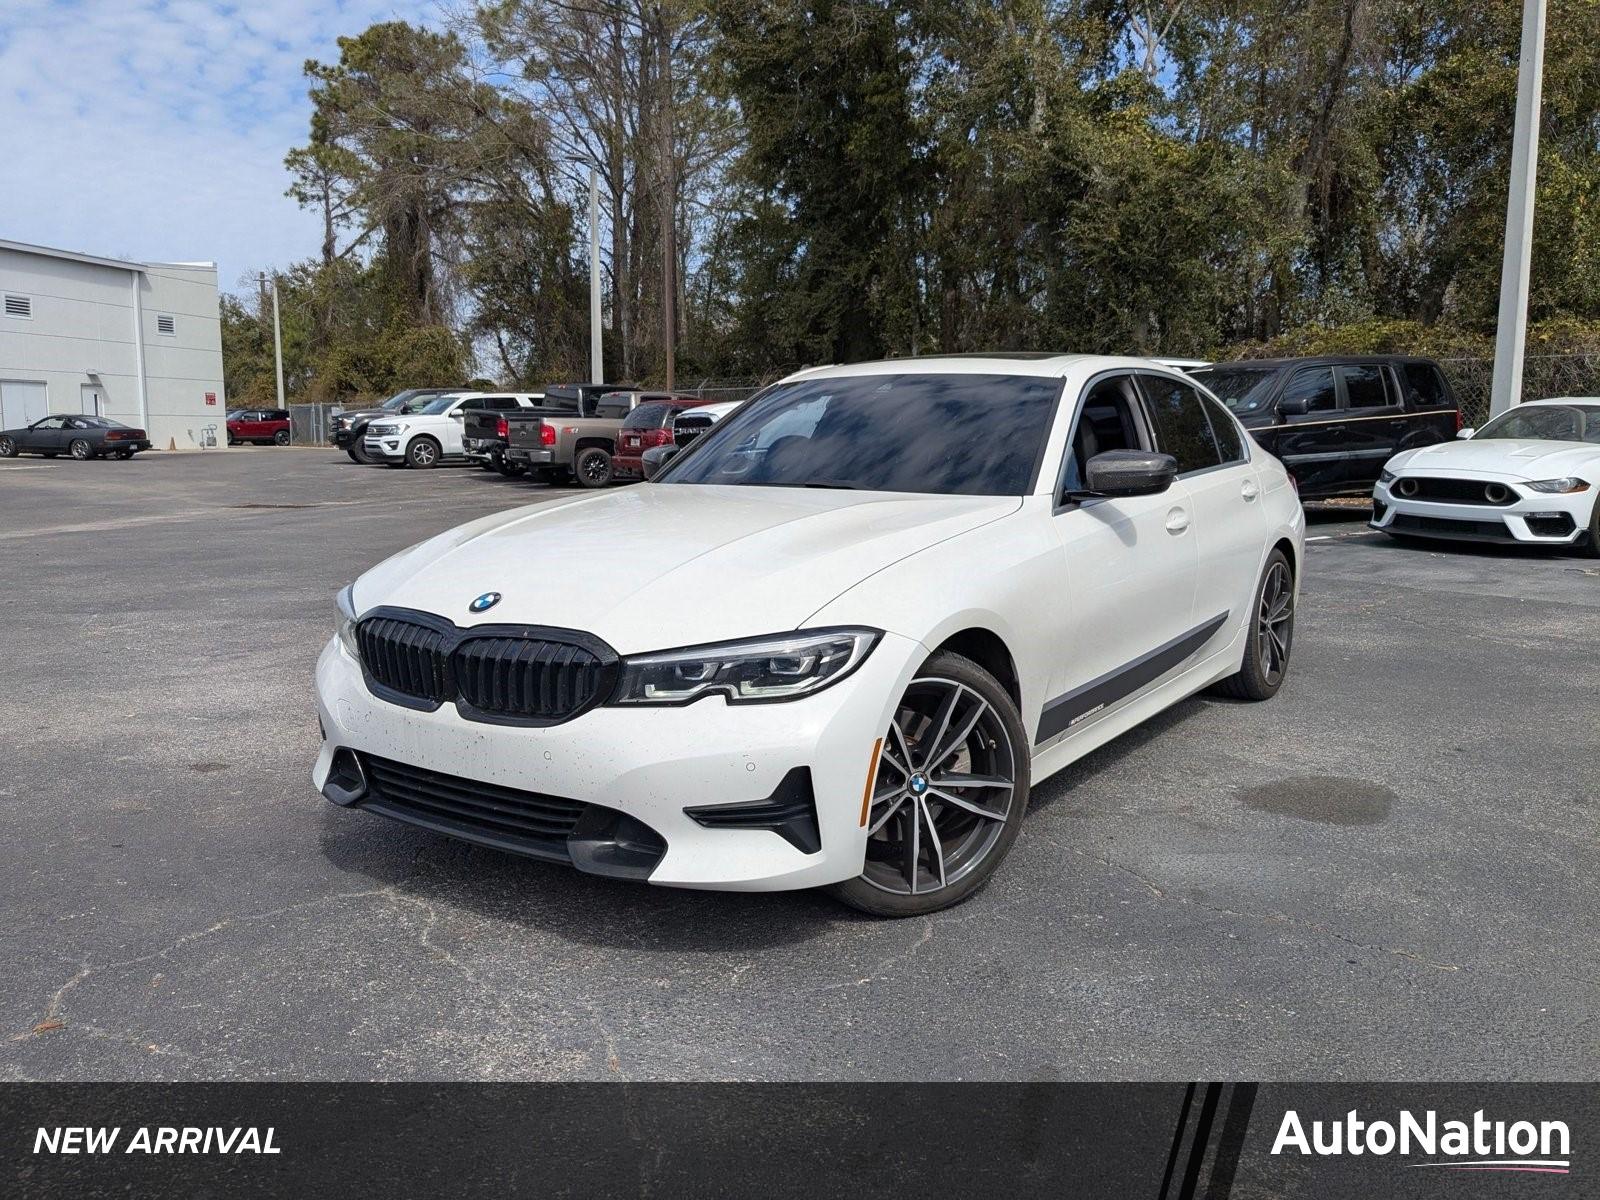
(166,324)
(19,306)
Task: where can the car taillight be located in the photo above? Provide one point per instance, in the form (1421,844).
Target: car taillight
(657,437)
(547,435)
(1459,422)
(502,429)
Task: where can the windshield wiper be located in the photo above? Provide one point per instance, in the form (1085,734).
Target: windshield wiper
(831,483)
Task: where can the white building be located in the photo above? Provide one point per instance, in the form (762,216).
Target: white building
(138,342)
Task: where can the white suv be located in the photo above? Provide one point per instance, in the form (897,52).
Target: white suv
(433,435)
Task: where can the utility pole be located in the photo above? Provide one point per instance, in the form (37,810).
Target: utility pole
(277,332)
(597,370)
(1512,330)
(669,186)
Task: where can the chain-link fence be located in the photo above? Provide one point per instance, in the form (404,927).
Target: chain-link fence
(1543,375)
(309,424)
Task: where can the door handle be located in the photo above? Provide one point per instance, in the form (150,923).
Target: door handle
(1177,521)
(1249,490)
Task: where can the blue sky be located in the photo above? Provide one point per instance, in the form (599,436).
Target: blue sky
(156,129)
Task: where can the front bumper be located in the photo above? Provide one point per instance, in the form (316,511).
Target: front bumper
(651,764)
(386,448)
(1533,517)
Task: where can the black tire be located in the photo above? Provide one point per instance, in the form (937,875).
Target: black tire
(80,450)
(232,441)
(281,438)
(1269,640)
(124,455)
(423,453)
(359,453)
(8,447)
(1593,548)
(355,456)
(592,467)
(972,826)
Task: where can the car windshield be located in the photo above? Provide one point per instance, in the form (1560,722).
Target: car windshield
(397,403)
(1243,389)
(438,404)
(1547,422)
(947,434)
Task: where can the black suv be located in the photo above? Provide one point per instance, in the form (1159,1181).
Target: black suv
(1334,421)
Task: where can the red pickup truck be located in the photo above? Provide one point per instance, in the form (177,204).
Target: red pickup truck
(649,424)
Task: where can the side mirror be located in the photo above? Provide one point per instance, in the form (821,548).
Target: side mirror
(1466,433)
(1129,473)
(657,457)
(1299,406)
(460,414)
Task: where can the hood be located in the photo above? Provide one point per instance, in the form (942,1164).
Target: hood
(656,566)
(1514,458)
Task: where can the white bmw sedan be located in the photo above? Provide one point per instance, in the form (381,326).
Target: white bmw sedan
(838,638)
(1530,475)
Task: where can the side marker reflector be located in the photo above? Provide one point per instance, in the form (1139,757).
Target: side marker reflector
(872,777)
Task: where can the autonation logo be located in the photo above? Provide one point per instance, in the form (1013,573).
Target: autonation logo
(1476,1145)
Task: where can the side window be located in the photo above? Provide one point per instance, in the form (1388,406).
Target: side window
(1315,386)
(1182,428)
(1230,442)
(1364,386)
(1421,385)
(1106,421)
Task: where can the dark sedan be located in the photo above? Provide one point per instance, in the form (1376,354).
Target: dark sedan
(75,435)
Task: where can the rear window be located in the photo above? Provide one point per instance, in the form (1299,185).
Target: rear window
(1422,386)
(649,416)
(561,399)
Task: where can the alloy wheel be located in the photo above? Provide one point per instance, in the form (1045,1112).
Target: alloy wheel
(422,454)
(1275,622)
(945,786)
(79,449)
(8,447)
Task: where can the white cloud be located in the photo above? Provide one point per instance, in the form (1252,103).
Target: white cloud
(156,129)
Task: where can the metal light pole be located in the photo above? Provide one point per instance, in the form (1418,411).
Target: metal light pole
(277,334)
(597,370)
(1511,333)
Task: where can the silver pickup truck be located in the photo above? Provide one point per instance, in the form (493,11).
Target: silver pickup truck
(571,435)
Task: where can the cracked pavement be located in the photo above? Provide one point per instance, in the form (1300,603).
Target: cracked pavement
(1388,872)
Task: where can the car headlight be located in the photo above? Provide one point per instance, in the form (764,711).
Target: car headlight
(1386,477)
(383,430)
(1564,486)
(781,667)
(346,628)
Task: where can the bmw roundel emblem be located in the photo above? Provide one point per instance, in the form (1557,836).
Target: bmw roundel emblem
(485,602)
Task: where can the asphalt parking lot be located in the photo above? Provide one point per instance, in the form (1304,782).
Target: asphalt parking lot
(1388,872)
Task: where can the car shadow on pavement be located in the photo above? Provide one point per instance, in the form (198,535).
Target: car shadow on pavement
(564,902)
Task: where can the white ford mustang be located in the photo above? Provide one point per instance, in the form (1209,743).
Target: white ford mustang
(837,639)
(1530,475)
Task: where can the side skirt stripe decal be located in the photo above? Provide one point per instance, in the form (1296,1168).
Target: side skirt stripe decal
(1066,711)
